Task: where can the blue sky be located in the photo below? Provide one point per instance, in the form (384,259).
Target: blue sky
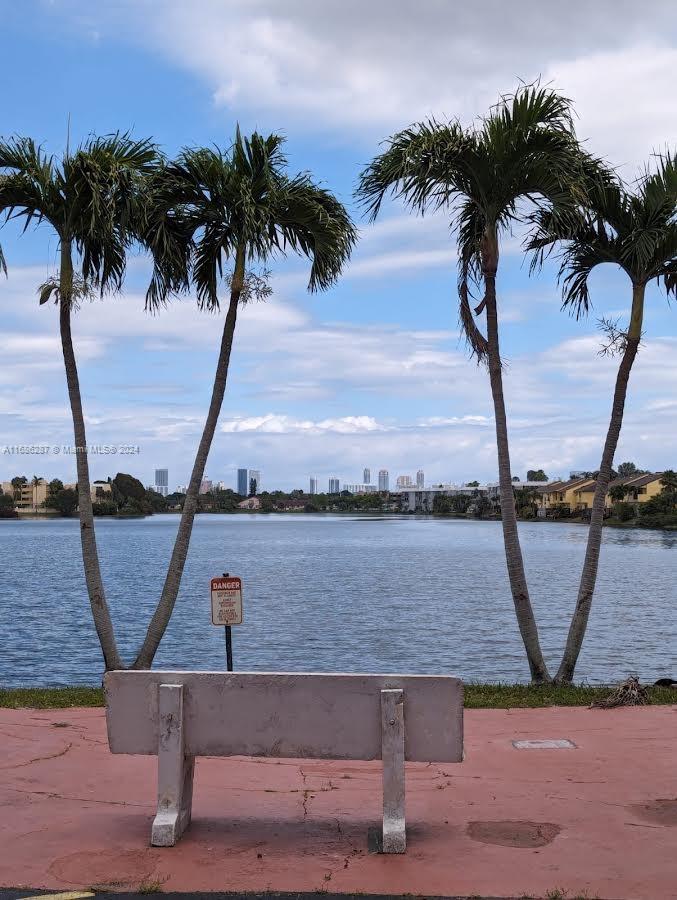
(371,373)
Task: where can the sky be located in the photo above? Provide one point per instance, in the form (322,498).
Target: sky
(372,373)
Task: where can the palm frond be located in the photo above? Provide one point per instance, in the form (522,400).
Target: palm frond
(93,198)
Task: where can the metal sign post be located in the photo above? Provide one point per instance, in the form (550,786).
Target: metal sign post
(226,596)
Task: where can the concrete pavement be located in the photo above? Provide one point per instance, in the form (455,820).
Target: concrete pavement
(598,819)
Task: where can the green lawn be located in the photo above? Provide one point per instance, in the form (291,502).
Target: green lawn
(477,696)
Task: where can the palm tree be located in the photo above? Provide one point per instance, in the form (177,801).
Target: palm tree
(669,482)
(618,492)
(238,207)
(635,230)
(522,154)
(91,200)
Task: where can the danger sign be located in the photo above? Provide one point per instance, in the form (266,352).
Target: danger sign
(226,601)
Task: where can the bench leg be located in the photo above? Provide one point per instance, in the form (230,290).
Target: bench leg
(392,753)
(175,770)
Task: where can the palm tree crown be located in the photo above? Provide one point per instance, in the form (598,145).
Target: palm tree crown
(243,200)
(90,197)
(524,152)
(635,230)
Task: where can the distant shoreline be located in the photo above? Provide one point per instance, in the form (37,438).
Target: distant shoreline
(367,514)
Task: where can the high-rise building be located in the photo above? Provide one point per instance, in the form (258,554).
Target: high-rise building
(313,485)
(243,482)
(162,481)
(366,476)
(254,481)
(334,486)
(205,486)
(404,481)
(420,479)
(383,480)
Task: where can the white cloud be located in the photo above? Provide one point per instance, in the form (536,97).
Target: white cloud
(310,66)
(281,424)
(320,397)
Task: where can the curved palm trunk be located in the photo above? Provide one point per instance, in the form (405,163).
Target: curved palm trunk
(90,557)
(513,551)
(170,590)
(586,587)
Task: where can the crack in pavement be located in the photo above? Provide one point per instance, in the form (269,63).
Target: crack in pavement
(54,796)
(38,759)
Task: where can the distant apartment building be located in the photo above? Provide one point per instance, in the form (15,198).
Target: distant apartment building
(205,486)
(360,488)
(366,476)
(162,481)
(577,494)
(250,503)
(28,497)
(420,479)
(383,480)
(313,485)
(334,486)
(403,481)
(220,486)
(100,490)
(243,482)
(414,500)
(254,481)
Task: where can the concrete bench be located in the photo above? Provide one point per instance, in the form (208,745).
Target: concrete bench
(180,715)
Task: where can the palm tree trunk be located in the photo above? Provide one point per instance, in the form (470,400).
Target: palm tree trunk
(513,551)
(170,590)
(586,589)
(90,557)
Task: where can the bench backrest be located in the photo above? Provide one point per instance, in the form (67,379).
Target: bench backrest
(312,716)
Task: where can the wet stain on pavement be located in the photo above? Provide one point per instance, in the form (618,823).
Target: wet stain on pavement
(514,834)
(660,812)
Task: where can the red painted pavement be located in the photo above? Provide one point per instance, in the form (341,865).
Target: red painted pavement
(600,819)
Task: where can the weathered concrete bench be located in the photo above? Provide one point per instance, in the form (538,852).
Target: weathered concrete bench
(181,715)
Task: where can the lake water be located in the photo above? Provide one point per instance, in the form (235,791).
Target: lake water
(336,594)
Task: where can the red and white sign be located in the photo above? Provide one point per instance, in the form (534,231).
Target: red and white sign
(226,601)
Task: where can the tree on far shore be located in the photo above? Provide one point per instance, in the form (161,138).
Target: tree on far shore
(536,475)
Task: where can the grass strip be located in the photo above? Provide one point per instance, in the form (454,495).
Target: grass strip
(477,696)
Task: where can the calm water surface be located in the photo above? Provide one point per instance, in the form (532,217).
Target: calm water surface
(334,593)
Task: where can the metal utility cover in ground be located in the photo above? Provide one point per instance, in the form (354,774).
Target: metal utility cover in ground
(226,593)
(558,744)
